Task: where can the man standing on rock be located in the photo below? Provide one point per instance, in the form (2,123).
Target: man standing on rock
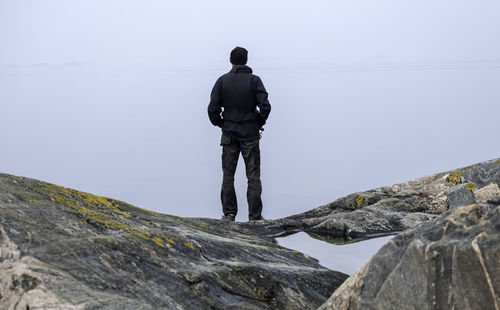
(239,105)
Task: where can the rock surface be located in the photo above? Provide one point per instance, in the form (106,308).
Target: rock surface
(451,262)
(391,209)
(65,249)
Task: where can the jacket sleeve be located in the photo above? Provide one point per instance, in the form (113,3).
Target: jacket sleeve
(214,107)
(262,101)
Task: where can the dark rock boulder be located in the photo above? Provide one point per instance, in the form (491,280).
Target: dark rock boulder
(451,262)
(460,195)
(65,249)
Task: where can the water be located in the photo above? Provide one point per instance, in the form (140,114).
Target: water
(347,258)
(142,135)
(119,108)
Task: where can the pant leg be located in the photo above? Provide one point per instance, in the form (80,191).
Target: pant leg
(251,155)
(230,154)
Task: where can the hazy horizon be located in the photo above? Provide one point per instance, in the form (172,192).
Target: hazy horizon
(110,97)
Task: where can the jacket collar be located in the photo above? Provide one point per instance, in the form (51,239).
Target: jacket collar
(241,69)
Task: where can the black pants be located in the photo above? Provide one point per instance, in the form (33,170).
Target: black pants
(250,151)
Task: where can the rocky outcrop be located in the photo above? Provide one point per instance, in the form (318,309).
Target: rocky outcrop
(451,262)
(65,249)
(391,209)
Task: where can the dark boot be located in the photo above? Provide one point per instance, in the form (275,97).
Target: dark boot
(260,218)
(230,217)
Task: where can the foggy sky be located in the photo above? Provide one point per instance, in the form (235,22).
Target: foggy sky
(110,97)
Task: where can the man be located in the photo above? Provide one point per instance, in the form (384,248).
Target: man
(233,107)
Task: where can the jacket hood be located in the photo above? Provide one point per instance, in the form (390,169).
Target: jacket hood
(241,69)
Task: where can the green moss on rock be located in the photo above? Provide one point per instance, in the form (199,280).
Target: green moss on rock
(454,177)
(470,186)
(359,200)
(30,198)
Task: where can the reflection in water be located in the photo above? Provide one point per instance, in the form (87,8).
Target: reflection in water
(347,258)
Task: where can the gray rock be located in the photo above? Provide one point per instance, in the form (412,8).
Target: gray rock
(392,209)
(495,201)
(65,249)
(451,262)
(482,173)
(487,192)
(460,195)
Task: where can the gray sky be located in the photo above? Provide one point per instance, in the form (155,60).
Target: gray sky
(110,97)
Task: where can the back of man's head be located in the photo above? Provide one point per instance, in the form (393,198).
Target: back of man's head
(239,56)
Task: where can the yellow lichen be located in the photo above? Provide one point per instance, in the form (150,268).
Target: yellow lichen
(68,196)
(454,177)
(469,168)
(359,200)
(203,225)
(496,162)
(98,200)
(157,240)
(246,250)
(140,233)
(106,212)
(96,209)
(165,238)
(145,210)
(470,186)
(30,198)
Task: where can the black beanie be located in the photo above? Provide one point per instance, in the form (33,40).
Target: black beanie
(239,56)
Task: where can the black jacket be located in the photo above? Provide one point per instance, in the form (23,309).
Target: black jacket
(239,92)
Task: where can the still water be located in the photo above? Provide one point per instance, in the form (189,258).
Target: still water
(347,258)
